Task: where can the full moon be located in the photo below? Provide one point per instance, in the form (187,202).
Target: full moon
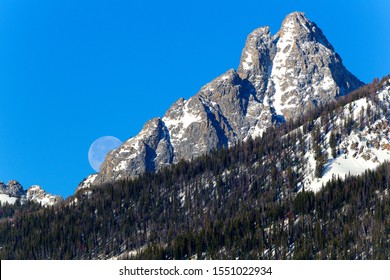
(99,149)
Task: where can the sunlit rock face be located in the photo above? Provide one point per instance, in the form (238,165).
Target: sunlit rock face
(279,77)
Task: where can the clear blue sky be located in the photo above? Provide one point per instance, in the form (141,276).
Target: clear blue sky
(75,70)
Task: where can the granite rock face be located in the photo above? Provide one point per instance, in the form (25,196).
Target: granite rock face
(279,78)
(150,149)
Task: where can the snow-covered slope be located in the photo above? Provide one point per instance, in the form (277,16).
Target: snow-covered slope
(5,198)
(365,145)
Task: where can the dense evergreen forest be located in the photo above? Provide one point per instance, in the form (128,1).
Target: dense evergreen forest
(240,202)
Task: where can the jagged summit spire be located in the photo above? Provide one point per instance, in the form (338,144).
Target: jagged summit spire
(256,59)
(296,23)
(298,26)
(298,17)
(261,46)
(297,20)
(293,66)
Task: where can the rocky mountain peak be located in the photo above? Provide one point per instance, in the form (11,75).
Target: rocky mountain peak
(12,188)
(298,28)
(305,70)
(39,195)
(256,60)
(279,77)
(297,22)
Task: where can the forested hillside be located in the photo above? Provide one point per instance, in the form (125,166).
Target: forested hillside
(246,202)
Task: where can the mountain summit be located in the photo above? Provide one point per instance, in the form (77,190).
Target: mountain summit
(297,66)
(279,78)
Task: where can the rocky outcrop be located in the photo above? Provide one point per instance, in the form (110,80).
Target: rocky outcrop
(257,60)
(37,194)
(148,150)
(13,190)
(279,77)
